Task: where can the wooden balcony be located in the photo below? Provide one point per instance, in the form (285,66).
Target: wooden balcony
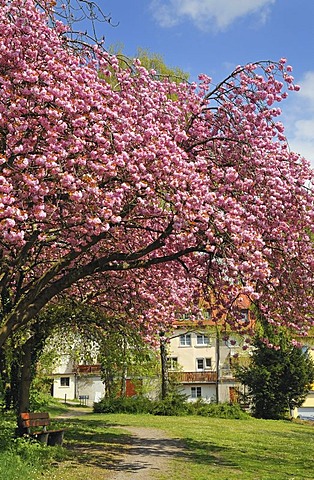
(193,377)
(88,369)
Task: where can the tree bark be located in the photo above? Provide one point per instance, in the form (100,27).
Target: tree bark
(26,377)
(164,369)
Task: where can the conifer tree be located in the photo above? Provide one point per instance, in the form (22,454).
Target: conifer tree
(279,376)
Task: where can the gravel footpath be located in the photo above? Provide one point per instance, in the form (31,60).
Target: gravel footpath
(150,453)
(145,454)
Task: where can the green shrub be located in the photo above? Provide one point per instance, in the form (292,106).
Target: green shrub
(174,404)
(7,427)
(123,405)
(218,410)
(39,401)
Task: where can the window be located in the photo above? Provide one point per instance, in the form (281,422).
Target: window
(200,364)
(202,339)
(183,316)
(208,363)
(196,392)
(185,340)
(244,316)
(172,363)
(65,381)
(203,363)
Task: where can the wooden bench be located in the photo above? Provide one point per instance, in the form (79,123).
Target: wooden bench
(27,422)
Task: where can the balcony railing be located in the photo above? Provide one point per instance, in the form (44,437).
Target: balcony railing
(85,369)
(193,377)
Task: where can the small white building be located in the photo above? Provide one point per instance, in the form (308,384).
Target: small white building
(77,382)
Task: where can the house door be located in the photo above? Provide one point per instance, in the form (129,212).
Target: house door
(233,395)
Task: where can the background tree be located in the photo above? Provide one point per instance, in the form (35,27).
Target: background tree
(279,376)
(138,193)
(124,354)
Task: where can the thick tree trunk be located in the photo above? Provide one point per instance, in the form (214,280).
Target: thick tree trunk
(15,376)
(26,377)
(164,369)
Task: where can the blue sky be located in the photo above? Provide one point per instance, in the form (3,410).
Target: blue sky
(213,36)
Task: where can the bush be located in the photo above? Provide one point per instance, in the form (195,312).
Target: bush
(7,426)
(39,401)
(174,404)
(123,405)
(218,410)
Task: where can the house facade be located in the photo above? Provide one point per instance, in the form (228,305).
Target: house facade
(200,362)
(201,358)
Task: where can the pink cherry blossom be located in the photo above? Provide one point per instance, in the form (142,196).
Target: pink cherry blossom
(142,195)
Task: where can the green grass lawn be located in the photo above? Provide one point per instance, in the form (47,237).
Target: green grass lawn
(215,449)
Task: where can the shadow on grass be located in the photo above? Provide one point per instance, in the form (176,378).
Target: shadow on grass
(101,444)
(93,443)
(270,462)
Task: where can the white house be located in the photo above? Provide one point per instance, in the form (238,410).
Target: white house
(201,363)
(77,382)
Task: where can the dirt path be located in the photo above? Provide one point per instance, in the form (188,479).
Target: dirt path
(141,453)
(150,453)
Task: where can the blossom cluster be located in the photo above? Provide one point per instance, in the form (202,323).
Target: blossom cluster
(140,192)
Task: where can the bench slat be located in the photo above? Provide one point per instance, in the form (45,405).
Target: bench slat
(28,415)
(28,420)
(35,423)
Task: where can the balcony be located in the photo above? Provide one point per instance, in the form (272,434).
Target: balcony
(88,369)
(193,377)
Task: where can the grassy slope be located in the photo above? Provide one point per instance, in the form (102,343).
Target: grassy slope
(216,449)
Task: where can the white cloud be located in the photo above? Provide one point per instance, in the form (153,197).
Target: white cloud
(307,86)
(304,129)
(300,118)
(206,14)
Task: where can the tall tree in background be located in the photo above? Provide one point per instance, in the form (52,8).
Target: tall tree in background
(137,193)
(280,374)
(124,354)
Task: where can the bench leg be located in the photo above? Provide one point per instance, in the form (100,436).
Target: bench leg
(55,438)
(42,437)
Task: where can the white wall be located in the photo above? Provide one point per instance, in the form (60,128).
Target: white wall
(187,355)
(64,392)
(91,386)
(86,385)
